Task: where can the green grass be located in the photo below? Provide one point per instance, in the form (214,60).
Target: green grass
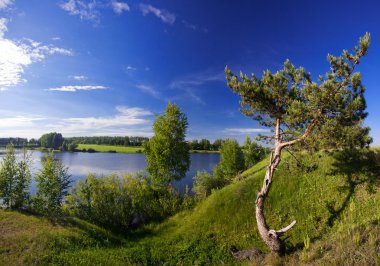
(110,148)
(335,200)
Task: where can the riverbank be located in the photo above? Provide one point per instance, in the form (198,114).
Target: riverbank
(121,149)
(104,148)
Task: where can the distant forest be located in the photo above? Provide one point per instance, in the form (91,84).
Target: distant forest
(107,140)
(57,141)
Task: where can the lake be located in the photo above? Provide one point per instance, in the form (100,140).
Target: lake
(80,164)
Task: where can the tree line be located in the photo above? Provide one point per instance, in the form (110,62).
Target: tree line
(108,140)
(18,142)
(56,141)
(205,144)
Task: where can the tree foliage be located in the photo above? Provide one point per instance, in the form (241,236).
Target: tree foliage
(53,182)
(205,183)
(121,202)
(18,142)
(325,113)
(167,153)
(52,140)
(231,158)
(329,111)
(15,176)
(108,140)
(253,153)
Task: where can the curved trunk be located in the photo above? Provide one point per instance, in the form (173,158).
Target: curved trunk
(270,237)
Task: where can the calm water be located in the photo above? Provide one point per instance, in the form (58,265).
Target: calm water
(80,164)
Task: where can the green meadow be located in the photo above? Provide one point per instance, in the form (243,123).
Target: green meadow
(109,148)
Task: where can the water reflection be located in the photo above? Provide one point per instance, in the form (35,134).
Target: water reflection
(80,164)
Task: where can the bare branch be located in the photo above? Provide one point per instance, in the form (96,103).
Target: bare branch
(285,229)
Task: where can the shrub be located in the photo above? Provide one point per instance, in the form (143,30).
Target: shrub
(15,178)
(121,202)
(53,182)
(205,183)
(231,159)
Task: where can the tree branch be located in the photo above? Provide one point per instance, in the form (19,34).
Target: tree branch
(285,229)
(304,136)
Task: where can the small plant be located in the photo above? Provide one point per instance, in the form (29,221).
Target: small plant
(356,237)
(306,243)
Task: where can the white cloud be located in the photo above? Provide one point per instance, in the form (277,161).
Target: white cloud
(162,14)
(18,121)
(244,131)
(130,68)
(74,88)
(132,121)
(3,26)
(56,38)
(79,77)
(15,56)
(126,117)
(149,90)
(5,3)
(119,7)
(84,9)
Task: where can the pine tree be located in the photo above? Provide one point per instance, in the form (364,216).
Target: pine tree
(325,113)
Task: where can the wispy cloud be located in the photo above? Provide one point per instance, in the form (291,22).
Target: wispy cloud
(188,84)
(191,93)
(127,116)
(18,121)
(119,7)
(86,10)
(133,121)
(197,79)
(16,56)
(245,131)
(130,68)
(5,3)
(74,88)
(162,14)
(56,38)
(194,27)
(79,77)
(149,90)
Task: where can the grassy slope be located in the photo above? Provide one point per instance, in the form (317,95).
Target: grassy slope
(332,206)
(109,148)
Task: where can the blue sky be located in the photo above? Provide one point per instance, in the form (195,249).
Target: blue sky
(106,67)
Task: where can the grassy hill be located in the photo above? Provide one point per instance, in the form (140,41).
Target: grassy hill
(335,200)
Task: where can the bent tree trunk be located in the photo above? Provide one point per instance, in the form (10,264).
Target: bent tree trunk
(271,237)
